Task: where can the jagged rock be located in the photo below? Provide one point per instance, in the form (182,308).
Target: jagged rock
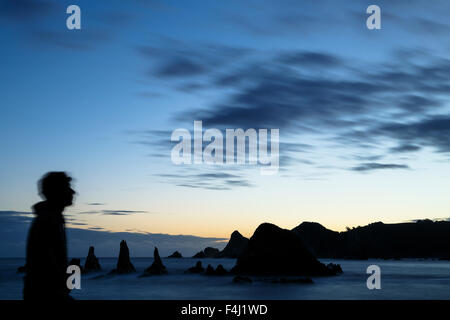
(241,279)
(211,252)
(199,255)
(275,251)
(91,264)
(209,271)
(21,269)
(76,262)
(124,264)
(157,266)
(207,253)
(235,246)
(176,254)
(220,271)
(196,269)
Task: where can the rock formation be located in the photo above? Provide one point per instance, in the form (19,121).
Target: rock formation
(196,269)
(199,255)
(420,239)
(275,251)
(176,254)
(124,264)
(220,271)
(157,266)
(235,246)
(207,253)
(91,264)
(209,270)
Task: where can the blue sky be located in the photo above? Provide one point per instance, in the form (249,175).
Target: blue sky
(364,115)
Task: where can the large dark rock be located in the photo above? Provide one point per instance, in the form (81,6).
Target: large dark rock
(318,239)
(207,253)
(420,239)
(176,254)
(198,268)
(91,264)
(235,246)
(199,255)
(211,252)
(275,251)
(157,266)
(124,264)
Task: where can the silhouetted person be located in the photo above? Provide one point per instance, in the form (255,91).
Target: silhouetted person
(46,264)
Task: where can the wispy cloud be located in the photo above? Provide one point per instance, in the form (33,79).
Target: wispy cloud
(378,166)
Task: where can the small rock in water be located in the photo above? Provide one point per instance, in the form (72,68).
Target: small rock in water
(176,254)
(196,269)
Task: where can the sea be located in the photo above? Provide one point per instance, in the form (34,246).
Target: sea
(399,279)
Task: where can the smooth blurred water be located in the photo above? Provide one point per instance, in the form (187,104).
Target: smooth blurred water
(405,279)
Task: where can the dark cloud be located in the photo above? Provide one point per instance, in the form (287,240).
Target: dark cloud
(429,132)
(206,180)
(310,59)
(378,166)
(112,212)
(96,204)
(181,67)
(405,148)
(120,212)
(178,60)
(24,10)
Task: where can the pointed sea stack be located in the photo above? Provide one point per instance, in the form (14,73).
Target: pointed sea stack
(275,251)
(157,266)
(235,246)
(124,264)
(91,264)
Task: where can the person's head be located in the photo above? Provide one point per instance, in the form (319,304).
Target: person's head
(55,188)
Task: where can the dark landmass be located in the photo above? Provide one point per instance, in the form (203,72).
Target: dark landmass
(124,264)
(234,247)
(176,255)
(91,264)
(421,239)
(207,253)
(275,251)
